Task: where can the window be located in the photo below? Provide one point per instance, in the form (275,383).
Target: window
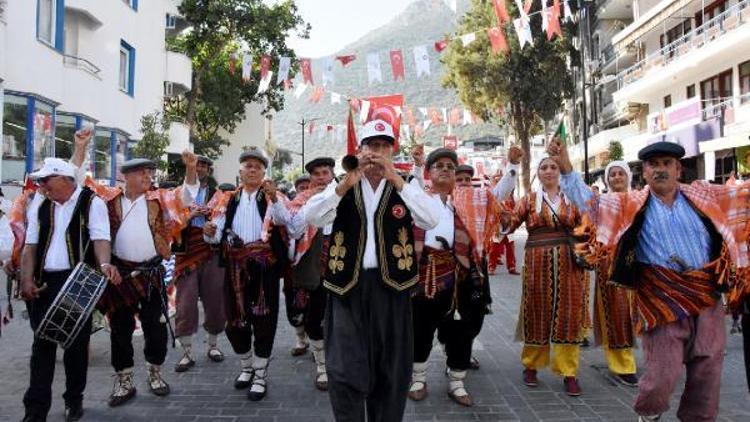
(121,153)
(675,33)
(744,69)
(710,11)
(15,126)
(44,144)
(714,91)
(50,22)
(133,4)
(691,91)
(102,155)
(668,101)
(127,68)
(65,129)
(724,168)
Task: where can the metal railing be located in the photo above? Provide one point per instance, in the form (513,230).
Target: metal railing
(716,109)
(81,63)
(607,56)
(712,29)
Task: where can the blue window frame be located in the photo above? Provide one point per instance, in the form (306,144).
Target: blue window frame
(126,78)
(132,3)
(50,23)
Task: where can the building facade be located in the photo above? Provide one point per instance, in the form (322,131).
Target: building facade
(682,75)
(69,64)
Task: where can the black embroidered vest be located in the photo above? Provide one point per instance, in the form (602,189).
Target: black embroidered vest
(76,235)
(624,270)
(394,242)
(278,244)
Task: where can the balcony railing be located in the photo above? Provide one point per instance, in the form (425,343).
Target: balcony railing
(607,55)
(81,63)
(717,109)
(729,20)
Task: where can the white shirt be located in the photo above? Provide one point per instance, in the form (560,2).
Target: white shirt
(321,211)
(445,228)
(134,241)
(296,224)
(247,223)
(57,255)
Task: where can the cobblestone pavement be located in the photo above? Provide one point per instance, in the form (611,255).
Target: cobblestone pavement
(206,392)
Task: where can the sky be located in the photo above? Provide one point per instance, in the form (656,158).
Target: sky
(336,23)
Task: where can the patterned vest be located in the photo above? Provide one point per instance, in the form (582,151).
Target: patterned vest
(76,235)
(156,224)
(394,242)
(180,246)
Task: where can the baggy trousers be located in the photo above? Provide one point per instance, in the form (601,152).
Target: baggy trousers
(206,282)
(155,336)
(696,344)
(38,397)
(311,314)
(369,351)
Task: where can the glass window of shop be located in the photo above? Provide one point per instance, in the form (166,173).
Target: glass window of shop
(44,132)
(15,121)
(65,129)
(102,155)
(121,154)
(744,69)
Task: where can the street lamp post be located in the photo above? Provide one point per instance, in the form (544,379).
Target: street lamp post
(583,38)
(304,123)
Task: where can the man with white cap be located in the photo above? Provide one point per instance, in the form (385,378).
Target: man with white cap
(370,270)
(69,226)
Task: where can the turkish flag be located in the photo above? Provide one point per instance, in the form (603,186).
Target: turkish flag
(317,94)
(501,12)
(435,116)
(553,26)
(455,116)
(265,66)
(345,60)
(410,120)
(441,45)
(307,71)
(311,127)
(397,64)
(387,108)
(351,135)
(497,39)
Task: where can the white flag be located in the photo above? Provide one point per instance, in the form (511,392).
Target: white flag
(426,124)
(467,117)
(301,88)
(285,63)
(422,60)
(335,98)
(364,111)
(247,67)
(328,71)
(265,82)
(523,29)
(568,14)
(373,68)
(424,111)
(468,38)
(546,15)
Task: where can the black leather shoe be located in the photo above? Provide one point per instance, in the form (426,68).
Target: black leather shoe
(33,417)
(73,413)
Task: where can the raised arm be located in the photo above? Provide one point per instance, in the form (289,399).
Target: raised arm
(509,180)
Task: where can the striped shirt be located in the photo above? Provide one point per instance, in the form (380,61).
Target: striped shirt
(672,237)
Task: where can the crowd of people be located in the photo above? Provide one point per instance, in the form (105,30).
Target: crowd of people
(376,265)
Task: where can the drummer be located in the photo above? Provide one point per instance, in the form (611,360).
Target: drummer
(139,219)
(72,224)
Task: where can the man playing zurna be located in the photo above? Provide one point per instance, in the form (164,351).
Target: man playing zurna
(247,225)
(370,270)
(675,245)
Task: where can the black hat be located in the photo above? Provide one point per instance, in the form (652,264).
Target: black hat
(302,179)
(441,153)
(137,164)
(204,159)
(254,153)
(227,187)
(465,168)
(663,148)
(320,162)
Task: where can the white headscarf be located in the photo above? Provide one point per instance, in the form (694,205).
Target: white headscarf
(539,200)
(621,164)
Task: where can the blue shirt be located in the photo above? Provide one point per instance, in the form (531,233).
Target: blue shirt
(200,199)
(672,237)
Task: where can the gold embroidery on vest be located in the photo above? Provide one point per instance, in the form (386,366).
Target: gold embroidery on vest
(337,253)
(404,251)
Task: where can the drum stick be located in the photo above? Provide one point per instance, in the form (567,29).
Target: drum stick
(42,288)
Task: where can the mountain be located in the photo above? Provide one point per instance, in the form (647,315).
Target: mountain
(421,23)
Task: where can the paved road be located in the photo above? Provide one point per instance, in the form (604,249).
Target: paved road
(206,393)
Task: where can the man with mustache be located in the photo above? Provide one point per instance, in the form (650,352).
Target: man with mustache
(674,244)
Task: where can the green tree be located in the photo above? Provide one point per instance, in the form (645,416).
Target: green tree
(220,32)
(614,151)
(153,145)
(525,86)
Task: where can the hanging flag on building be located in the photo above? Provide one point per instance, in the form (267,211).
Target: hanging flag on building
(455,116)
(523,29)
(497,40)
(285,64)
(247,67)
(311,127)
(554,21)
(300,90)
(328,78)
(317,94)
(307,71)
(373,68)
(345,60)
(265,66)
(469,38)
(467,117)
(422,60)
(335,98)
(397,65)
(441,45)
(501,12)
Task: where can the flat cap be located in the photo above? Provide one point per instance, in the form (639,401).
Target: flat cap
(320,162)
(302,179)
(137,164)
(227,187)
(663,148)
(465,168)
(255,154)
(204,159)
(441,153)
